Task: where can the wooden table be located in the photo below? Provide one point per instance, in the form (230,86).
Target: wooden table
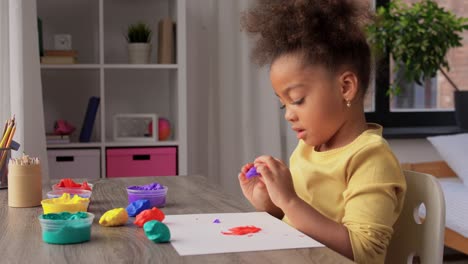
(21,241)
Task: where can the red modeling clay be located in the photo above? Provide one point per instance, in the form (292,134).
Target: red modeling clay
(148,215)
(242,230)
(69,183)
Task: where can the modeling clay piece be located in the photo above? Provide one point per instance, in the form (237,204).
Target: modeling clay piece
(157,232)
(216,221)
(65,216)
(69,183)
(242,230)
(148,215)
(252,172)
(152,186)
(137,207)
(114,217)
(65,203)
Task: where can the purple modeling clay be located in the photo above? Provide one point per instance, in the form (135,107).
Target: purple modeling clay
(216,221)
(152,186)
(252,173)
(137,207)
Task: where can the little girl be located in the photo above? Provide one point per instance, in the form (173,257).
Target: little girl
(344,186)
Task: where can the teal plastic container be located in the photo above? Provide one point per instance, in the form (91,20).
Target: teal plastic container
(66,231)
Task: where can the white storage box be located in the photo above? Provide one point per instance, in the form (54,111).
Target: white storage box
(76,163)
(135,127)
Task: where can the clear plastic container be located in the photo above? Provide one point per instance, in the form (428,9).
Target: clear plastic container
(66,231)
(57,193)
(157,198)
(69,189)
(50,207)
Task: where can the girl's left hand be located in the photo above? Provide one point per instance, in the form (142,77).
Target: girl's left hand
(278,180)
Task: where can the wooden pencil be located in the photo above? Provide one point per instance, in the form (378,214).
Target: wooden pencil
(4,153)
(6,135)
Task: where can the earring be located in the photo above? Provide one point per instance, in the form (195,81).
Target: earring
(348,103)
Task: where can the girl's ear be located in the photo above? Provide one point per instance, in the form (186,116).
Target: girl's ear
(349,85)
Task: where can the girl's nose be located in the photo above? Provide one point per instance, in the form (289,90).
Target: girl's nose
(290,115)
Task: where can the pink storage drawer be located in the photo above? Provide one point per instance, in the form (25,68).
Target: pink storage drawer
(134,162)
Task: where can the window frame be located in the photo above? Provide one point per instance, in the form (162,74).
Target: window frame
(382,114)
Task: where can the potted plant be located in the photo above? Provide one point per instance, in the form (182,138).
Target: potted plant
(417,38)
(139,46)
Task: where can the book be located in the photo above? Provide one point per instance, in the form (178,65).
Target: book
(61,53)
(90,116)
(58,60)
(58,141)
(166,41)
(55,136)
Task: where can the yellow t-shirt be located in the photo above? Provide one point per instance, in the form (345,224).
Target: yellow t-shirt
(360,185)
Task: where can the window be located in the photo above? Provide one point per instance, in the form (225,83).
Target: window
(429,104)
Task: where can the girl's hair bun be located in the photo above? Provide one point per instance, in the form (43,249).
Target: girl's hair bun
(328,32)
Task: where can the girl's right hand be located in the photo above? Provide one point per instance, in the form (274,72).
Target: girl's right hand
(255,191)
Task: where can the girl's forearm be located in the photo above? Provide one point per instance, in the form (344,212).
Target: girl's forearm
(311,222)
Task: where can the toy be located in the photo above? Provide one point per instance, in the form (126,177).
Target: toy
(164,129)
(62,127)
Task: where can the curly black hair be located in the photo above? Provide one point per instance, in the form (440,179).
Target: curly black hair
(326,32)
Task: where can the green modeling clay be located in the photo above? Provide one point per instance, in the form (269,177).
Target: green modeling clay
(65,216)
(157,232)
(66,228)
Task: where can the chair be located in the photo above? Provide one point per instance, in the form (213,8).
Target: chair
(441,170)
(417,238)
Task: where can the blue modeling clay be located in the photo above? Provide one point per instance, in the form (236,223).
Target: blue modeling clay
(252,173)
(137,207)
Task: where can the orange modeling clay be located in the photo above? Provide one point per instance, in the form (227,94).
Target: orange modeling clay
(242,230)
(69,183)
(148,215)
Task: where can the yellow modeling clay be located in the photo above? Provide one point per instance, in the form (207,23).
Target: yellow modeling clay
(66,199)
(114,217)
(65,204)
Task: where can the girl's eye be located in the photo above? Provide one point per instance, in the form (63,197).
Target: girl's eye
(298,102)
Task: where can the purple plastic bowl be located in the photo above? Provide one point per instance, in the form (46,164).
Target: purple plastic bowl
(157,198)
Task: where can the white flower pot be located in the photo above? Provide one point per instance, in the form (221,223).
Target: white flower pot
(139,53)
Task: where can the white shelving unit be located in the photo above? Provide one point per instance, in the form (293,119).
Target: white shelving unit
(97,28)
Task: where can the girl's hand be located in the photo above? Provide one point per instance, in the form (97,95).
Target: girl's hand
(277,179)
(255,191)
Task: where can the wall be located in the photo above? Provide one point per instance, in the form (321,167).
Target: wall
(201,60)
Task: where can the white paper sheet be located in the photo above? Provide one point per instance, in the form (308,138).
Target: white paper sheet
(196,234)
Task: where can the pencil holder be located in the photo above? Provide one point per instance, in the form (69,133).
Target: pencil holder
(24,184)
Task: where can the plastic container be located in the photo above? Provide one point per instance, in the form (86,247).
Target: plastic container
(69,189)
(157,198)
(58,193)
(66,231)
(49,206)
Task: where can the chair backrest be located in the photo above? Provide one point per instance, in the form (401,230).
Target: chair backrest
(415,237)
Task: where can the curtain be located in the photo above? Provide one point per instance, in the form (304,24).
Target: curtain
(20,84)
(234,115)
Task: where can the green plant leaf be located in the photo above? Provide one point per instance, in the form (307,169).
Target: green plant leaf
(417,35)
(138,33)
